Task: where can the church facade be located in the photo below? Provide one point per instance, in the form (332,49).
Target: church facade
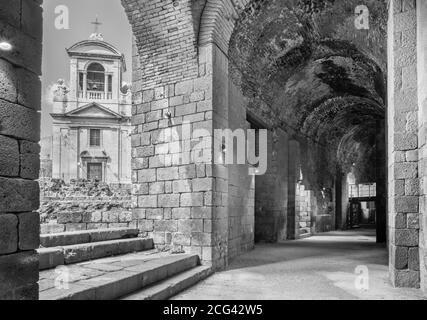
(92,118)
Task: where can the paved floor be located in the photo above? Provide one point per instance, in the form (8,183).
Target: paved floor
(324,267)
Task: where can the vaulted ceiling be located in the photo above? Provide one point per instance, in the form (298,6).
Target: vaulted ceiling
(304,66)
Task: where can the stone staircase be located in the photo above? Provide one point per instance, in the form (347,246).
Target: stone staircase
(112,264)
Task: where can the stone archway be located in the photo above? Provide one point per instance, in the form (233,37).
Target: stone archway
(202,74)
(183,75)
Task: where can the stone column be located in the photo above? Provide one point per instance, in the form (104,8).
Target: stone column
(380,172)
(293,176)
(422,133)
(21,25)
(402,133)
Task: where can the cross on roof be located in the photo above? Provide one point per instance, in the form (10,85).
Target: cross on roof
(96,23)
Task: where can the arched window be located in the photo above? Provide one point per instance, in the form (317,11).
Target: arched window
(96,77)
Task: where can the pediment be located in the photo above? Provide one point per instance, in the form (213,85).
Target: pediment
(94,110)
(92,47)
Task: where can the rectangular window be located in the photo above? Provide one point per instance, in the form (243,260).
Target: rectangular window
(94,171)
(110,83)
(81,82)
(95,138)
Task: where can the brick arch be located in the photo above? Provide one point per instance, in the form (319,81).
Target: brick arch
(218,20)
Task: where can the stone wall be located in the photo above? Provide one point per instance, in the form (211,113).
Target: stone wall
(422,133)
(403,170)
(84,205)
(241,187)
(20,89)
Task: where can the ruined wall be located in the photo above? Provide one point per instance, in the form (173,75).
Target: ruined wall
(84,205)
(403,170)
(21,25)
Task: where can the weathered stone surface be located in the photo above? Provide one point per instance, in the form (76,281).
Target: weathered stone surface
(84,204)
(18,270)
(9,157)
(406,237)
(50,258)
(91,251)
(19,122)
(30,166)
(116,278)
(29,230)
(8,233)
(18,195)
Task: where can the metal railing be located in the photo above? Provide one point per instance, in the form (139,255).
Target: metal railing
(363,191)
(96,95)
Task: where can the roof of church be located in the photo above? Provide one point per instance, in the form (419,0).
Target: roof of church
(94,48)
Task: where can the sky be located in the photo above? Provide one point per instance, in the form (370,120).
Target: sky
(115,29)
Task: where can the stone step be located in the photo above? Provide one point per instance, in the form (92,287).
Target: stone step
(86,236)
(112,278)
(52,257)
(172,286)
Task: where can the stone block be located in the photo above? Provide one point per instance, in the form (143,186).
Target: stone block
(201,213)
(75,227)
(154,214)
(168,200)
(19,122)
(30,166)
(406,279)
(407,204)
(50,258)
(399,257)
(201,239)
(405,141)
(165,226)
(70,217)
(18,195)
(406,171)
(191,200)
(190,226)
(51,228)
(205,184)
(18,270)
(146,225)
(181,186)
(8,82)
(8,233)
(406,237)
(147,201)
(29,231)
(181,239)
(157,188)
(413,220)
(9,157)
(181,213)
(29,89)
(187,172)
(414,259)
(165,174)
